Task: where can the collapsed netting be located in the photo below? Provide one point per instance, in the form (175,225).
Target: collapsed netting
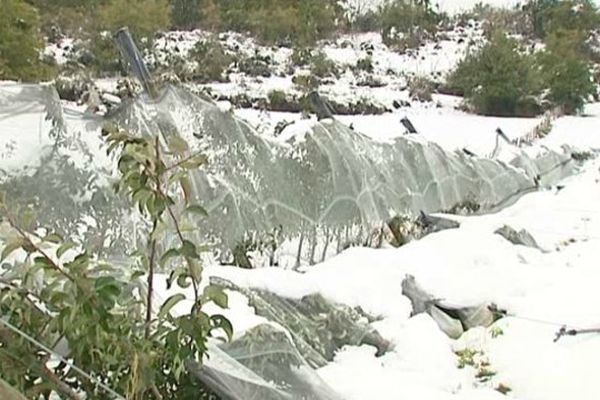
(318,180)
(323,179)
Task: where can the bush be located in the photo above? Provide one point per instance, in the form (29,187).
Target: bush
(21,43)
(301,56)
(322,66)
(420,88)
(565,73)
(277,99)
(365,64)
(498,79)
(212,61)
(102,315)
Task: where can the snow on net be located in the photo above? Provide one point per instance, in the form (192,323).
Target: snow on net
(318,181)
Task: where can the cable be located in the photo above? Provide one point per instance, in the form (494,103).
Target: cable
(70,364)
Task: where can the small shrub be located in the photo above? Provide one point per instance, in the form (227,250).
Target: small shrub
(322,66)
(277,99)
(301,56)
(255,66)
(211,61)
(282,21)
(547,16)
(365,64)
(420,89)
(306,82)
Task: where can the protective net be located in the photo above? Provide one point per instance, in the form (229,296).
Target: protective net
(318,182)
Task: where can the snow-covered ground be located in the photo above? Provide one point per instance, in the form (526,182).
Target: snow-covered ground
(542,290)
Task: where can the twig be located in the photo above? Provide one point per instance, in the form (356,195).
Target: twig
(150,281)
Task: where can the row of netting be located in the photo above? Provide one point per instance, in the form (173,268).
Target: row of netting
(320,182)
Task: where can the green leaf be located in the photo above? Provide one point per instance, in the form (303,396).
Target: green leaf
(177,144)
(220,322)
(194,162)
(171,253)
(188,249)
(53,238)
(169,304)
(216,295)
(183,282)
(197,209)
(43,262)
(64,248)
(186,186)
(11,247)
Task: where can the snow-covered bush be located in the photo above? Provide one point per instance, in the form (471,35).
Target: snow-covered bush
(322,66)
(211,61)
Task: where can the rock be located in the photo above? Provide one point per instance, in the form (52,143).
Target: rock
(522,237)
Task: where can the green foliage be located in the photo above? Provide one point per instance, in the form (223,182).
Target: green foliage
(143,17)
(497,79)
(101,314)
(190,14)
(301,56)
(277,98)
(21,43)
(565,72)
(322,66)
(420,88)
(211,61)
(280,21)
(548,16)
(405,23)
(365,64)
